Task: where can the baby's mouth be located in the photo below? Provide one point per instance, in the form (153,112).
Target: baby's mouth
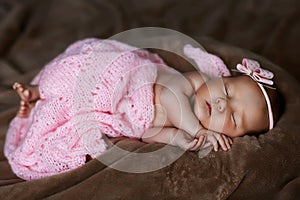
(208,107)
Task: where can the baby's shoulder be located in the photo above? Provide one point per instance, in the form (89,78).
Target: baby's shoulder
(196,78)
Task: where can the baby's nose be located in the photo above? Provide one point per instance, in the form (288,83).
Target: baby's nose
(221,104)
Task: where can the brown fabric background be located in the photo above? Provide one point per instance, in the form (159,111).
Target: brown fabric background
(33,32)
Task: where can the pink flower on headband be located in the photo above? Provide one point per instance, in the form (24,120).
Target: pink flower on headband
(252,68)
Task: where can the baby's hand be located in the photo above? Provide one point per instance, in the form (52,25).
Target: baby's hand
(215,139)
(183,140)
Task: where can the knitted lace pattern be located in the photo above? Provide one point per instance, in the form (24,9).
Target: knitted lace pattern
(95,88)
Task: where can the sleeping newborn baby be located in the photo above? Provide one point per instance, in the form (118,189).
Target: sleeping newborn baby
(105,87)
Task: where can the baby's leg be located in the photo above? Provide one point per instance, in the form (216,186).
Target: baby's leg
(29,95)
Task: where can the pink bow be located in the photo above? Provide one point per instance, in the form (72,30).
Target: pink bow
(252,68)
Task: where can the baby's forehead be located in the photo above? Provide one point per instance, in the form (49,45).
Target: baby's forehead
(244,82)
(239,79)
(244,87)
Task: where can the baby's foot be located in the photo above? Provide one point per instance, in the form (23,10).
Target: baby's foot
(29,95)
(23,92)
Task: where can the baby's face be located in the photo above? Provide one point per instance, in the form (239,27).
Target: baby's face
(233,106)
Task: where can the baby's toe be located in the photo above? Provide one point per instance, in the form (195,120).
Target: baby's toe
(26,94)
(23,110)
(17,86)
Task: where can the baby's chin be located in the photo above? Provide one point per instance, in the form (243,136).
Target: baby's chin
(207,125)
(230,133)
(234,133)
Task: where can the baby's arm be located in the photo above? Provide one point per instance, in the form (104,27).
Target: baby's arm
(180,138)
(175,98)
(175,137)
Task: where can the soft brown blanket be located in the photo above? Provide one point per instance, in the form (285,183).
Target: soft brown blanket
(265,167)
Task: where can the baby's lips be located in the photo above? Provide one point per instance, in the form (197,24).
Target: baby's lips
(208,106)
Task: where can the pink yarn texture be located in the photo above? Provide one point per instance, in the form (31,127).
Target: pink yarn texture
(95,87)
(207,63)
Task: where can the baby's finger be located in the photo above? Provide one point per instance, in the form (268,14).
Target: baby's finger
(229,139)
(195,146)
(200,143)
(216,147)
(222,142)
(204,140)
(192,144)
(212,139)
(226,140)
(214,142)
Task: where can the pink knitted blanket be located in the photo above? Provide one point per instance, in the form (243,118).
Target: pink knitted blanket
(95,87)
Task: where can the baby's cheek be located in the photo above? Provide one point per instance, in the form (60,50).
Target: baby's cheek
(206,123)
(215,123)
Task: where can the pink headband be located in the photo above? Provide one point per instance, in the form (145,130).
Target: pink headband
(259,75)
